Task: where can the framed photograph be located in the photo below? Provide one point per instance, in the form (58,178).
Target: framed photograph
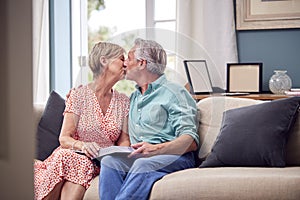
(198,77)
(267,14)
(244,77)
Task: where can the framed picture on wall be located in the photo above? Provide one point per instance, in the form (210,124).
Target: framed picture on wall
(244,77)
(267,14)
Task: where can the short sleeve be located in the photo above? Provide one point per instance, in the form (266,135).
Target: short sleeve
(73,103)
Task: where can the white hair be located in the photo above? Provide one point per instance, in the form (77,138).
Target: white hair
(153,53)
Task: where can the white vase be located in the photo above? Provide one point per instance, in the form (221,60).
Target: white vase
(280,82)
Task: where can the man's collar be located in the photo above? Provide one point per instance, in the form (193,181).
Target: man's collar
(155,84)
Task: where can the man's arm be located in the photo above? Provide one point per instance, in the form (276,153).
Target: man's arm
(183,144)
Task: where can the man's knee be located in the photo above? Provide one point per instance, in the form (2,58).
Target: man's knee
(115,163)
(145,165)
(108,161)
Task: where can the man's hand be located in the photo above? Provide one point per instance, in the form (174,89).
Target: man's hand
(145,149)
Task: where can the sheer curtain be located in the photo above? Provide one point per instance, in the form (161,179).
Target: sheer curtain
(80,68)
(208,31)
(40,51)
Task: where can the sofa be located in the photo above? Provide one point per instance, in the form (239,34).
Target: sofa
(230,181)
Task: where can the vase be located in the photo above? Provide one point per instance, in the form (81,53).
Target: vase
(280,82)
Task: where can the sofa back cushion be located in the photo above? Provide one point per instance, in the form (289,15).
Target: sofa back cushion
(49,126)
(210,118)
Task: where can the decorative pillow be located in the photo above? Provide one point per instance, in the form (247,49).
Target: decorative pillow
(49,126)
(254,135)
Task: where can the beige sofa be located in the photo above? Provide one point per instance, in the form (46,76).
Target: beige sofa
(227,182)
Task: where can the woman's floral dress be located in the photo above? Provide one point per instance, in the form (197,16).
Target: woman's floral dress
(93,126)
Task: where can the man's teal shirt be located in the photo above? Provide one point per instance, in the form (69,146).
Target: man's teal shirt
(163,113)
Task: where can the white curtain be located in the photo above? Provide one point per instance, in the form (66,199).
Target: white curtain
(80,67)
(207,31)
(40,51)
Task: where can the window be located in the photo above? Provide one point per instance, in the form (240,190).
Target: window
(81,22)
(120,22)
(157,17)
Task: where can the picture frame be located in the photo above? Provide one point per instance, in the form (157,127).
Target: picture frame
(244,77)
(267,14)
(199,81)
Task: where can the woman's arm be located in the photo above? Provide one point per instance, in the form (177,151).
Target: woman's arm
(67,141)
(68,129)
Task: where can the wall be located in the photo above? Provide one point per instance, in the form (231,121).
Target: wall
(16,116)
(276,49)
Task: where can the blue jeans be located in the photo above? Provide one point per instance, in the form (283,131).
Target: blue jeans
(128,178)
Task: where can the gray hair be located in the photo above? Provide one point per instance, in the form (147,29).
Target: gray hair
(153,53)
(108,50)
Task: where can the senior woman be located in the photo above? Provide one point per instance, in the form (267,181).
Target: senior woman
(95,117)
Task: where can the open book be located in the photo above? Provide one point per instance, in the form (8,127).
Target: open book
(116,150)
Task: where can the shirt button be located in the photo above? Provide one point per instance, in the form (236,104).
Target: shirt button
(139,110)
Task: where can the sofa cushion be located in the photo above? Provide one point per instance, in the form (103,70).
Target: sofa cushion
(49,127)
(254,135)
(92,193)
(229,183)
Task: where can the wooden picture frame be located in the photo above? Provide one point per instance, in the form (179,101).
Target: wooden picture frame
(267,14)
(244,77)
(198,77)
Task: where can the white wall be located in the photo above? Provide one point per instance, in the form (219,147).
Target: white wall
(16,114)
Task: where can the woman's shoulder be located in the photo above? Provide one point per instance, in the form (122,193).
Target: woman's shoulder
(80,93)
(122,102)
(121,96)
(81,90)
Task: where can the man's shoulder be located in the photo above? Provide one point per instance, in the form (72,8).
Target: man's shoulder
(174,85)
(175,88)
(178,92)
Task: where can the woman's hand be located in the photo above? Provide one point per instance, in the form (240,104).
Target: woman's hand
(91,149)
